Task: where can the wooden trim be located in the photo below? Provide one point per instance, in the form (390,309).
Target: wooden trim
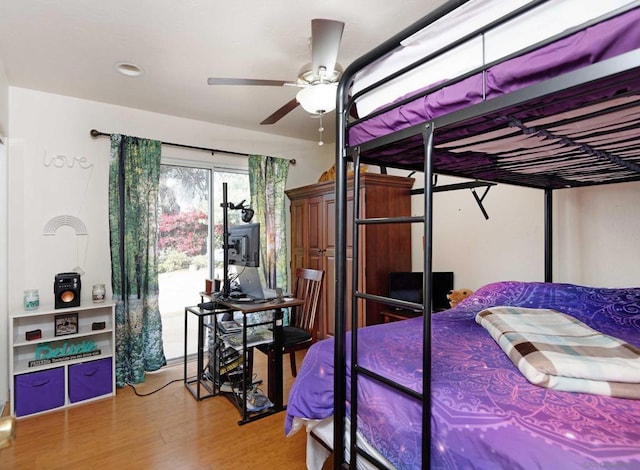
(366,179)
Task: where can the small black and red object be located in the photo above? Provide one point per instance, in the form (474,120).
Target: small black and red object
(33,334)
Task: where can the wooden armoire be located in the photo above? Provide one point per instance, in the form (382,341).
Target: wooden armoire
(386,247)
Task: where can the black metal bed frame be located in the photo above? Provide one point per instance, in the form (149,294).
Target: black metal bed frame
(423,134)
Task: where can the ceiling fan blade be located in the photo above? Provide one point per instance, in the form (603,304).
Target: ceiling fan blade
(325,44)
(246,81)
(281,112)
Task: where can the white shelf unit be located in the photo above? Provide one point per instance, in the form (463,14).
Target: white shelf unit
(78,375)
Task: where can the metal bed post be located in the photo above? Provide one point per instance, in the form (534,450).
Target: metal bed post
(548,235)
(354,311)
(340,324)
(427,135)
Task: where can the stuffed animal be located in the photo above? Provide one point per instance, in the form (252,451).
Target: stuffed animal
(330,174)
(457,295)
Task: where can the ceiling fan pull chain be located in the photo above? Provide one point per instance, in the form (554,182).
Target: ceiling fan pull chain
(321,129)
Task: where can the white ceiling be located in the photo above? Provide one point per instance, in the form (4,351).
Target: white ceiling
(69,47)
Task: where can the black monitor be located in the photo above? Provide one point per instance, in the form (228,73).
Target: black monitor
(407,286)
(244,245)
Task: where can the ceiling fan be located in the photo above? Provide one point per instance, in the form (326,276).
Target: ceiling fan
(318,80)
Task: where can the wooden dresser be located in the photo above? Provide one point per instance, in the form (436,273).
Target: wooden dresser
(386,247)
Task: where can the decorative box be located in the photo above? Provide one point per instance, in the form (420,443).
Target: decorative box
(39,391)
(90,379)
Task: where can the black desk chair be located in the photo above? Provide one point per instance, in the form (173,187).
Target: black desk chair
(303,321)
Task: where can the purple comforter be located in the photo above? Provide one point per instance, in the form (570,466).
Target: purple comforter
(484,413)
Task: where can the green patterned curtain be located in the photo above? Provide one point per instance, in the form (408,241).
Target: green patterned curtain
(267,181)
(134,177)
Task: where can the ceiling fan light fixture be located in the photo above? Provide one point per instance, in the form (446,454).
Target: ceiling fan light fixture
(319,98)
(306,75)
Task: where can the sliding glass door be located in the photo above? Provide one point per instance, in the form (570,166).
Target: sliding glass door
(189,245)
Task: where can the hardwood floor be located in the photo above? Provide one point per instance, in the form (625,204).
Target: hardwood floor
(166,430)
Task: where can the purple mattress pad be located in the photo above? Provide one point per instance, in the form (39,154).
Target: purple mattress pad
(591,45)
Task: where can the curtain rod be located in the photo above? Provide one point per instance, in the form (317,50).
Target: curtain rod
(95,133)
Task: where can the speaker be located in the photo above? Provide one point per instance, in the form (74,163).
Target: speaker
(66,290)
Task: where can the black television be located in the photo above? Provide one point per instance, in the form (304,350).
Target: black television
(407,286)
(244,245)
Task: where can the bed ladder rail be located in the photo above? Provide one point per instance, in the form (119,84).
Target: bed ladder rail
(356,305)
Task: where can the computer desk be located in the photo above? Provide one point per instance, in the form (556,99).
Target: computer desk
(199,387)
(275,369)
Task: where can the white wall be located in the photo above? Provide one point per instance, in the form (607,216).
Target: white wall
(56,168)
(4,101)
(4,131)
(604,246)
(596,235)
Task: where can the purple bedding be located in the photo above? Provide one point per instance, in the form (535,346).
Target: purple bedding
(594,44)
(485,414)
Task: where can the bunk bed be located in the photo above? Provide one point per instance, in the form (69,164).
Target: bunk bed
(561,111)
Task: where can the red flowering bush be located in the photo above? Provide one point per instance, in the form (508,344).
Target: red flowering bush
(185,232)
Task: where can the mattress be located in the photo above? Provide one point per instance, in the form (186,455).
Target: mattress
(443,93)
(485,414)
(320,441)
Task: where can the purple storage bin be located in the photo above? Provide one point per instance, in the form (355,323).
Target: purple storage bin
(90,379)
(39,391)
